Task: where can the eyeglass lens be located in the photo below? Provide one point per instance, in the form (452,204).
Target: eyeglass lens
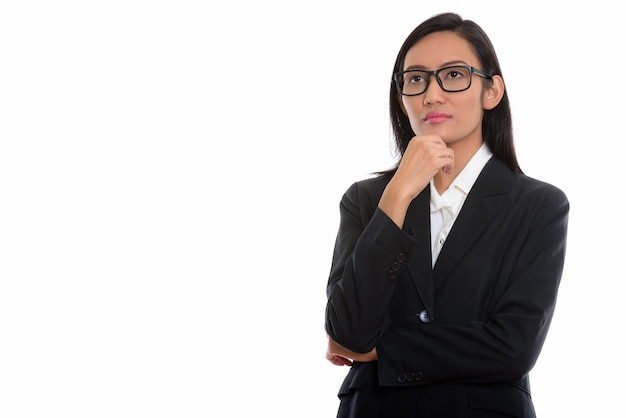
(451,79)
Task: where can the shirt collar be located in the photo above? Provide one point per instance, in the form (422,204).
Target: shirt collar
(467,177)
(464,180)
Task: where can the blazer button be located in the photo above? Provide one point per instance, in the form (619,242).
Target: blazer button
(401,257)
(410,377)
(402,378)
(396,266)
(424,317)
(391,274)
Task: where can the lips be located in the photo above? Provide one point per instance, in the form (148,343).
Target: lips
(436,117)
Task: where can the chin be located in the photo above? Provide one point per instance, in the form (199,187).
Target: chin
(432,130)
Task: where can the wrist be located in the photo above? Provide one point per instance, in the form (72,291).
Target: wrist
(394,204)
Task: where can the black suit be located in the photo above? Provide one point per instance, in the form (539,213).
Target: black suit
(459,339)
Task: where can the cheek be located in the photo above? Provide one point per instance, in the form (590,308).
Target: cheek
(475,112)
(469,111)
(418,127)
(412,111)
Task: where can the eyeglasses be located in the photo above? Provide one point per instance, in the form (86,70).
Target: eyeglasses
(451,79)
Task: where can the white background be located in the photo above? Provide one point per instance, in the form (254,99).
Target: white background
(170,173)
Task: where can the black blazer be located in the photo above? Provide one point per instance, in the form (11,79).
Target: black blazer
(476,322)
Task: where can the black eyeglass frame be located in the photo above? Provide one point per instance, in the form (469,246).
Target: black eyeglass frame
(397,77)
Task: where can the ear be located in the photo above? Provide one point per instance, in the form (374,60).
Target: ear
(493,94)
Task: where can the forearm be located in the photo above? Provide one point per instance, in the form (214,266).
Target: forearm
(474,352)
(394,203)
(362,283)
(504,339)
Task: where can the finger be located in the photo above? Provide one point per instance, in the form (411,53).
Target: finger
(340,361)
(449,157)
(334,360)
(337,359)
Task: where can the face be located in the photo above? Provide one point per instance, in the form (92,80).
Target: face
(455,117)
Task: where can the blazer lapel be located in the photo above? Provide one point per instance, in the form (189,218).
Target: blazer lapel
(484,200)
(417,221)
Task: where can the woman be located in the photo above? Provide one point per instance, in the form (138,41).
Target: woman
(446,268)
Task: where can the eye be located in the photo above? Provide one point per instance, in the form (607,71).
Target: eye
(414,78)
(455,73)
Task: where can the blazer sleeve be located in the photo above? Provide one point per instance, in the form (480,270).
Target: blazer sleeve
(369,250)
(507,344)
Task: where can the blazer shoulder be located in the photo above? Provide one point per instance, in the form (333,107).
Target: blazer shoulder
(370,189)
(499,178)
(539,200)
(522,193)
(362,196)
(532,187)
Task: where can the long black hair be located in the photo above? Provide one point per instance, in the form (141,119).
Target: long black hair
(497,126)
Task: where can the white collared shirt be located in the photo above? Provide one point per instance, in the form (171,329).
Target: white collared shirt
(445,208)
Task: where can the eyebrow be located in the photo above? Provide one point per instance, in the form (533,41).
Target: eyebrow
(445,64)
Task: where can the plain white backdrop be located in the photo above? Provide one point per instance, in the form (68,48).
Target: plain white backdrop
(170,174)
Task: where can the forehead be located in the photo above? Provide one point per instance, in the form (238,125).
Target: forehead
(439,49)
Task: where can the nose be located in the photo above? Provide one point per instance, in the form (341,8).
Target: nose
(434,93)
